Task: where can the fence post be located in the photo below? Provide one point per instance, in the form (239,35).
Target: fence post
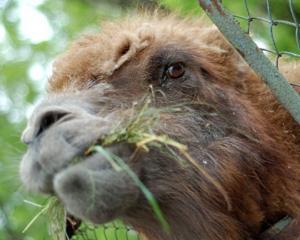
(253,56)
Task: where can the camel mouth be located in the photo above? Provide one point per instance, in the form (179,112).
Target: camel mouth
(57,149)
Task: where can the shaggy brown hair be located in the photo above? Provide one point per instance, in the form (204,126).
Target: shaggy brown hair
(233,125)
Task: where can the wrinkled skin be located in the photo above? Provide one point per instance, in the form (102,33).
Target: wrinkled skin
(231,123)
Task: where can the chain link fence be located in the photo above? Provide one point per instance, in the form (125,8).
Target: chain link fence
(253,55)
(264,20)
(111,231)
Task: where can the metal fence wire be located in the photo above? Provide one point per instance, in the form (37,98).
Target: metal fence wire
(244,43)
(254,23)
(270,24)
(110,231)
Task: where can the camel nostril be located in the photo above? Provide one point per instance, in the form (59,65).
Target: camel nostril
(49,118)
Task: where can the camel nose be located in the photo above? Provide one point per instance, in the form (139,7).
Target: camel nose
(43,120)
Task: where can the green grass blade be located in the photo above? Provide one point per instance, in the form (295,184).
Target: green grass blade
(149,196)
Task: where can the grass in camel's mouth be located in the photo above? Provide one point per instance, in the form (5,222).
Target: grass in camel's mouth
(139,130)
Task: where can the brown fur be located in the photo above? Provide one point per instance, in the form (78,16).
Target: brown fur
(252,143)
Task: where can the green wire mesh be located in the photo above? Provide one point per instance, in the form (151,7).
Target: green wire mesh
(259,59)
(111,231)
(261,21)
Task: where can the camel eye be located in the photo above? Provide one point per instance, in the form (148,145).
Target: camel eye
(175,70)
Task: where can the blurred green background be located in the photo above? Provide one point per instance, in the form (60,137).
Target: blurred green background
(32,33)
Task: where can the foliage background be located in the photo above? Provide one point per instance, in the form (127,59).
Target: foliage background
(32,33)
